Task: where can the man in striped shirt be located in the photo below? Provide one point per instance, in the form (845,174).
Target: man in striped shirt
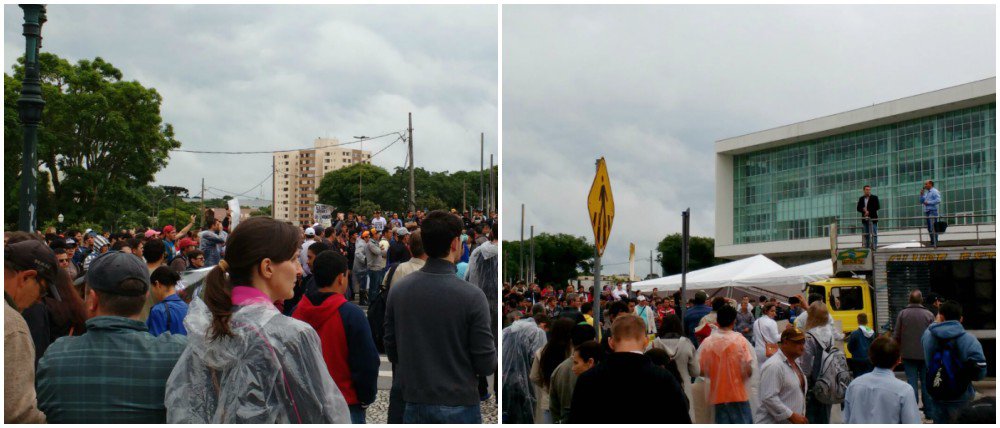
(116,372)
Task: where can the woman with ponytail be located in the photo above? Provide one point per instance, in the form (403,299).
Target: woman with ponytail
(245,362)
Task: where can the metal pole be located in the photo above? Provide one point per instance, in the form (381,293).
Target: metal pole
(597,294)
(686,219)
(520,248)
(490,206)
(413,194)
(531,248)
(30,106)
(481,139)
(650,262)
(203,201)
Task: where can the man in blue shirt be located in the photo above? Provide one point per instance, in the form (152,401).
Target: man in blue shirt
(930,198)
(169,313)
(694,315)
(879,397)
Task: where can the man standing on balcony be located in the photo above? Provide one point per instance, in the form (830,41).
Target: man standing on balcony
(930,198)
(868,207)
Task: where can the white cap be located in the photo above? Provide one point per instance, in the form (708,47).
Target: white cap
(641,298)
(310,232)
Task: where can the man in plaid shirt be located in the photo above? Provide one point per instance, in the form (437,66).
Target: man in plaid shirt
(116,372)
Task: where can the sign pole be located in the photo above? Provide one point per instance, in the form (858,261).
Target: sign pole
(686,222)
(597,294)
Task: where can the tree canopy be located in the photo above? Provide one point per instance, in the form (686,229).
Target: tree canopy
(100,143)
(558,258)
(702,253)
(382,190)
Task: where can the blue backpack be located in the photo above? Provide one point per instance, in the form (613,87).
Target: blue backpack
(945,380)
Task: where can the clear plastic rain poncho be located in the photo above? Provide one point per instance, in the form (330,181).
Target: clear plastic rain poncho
(722,358)
(520,342)
(270,371)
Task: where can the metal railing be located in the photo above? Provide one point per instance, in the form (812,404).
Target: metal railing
(962,229)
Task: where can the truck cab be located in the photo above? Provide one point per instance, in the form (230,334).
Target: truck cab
(845,298)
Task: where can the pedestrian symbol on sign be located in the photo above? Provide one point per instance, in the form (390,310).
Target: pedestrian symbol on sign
(601,206)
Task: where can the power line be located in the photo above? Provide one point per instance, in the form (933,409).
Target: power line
(287,150)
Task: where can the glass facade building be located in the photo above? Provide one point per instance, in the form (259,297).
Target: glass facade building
(795,191)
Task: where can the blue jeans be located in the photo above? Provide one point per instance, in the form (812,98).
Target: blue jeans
(932,216)
(945,411)
(916,371)
(360,279)
(357,414)
(374,282)
(870,238)
(733,413)
(436,414)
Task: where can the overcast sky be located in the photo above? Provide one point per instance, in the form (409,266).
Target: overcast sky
(248,78)
(651,88)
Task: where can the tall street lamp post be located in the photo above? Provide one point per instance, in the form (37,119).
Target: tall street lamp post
(30,110)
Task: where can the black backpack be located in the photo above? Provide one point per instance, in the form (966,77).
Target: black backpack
(376,311)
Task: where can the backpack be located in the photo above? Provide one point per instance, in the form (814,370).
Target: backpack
(376,311)
(830,374)
(944,378)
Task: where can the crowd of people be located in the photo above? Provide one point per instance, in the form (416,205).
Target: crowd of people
(730,360)
(101,328)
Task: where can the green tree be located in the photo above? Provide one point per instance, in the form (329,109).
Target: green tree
(558,258)
(367,208)
(101,140)
(702,253)
(262,211)
(339,187)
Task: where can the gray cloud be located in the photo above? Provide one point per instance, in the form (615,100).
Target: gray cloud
(652,88)
(241,78)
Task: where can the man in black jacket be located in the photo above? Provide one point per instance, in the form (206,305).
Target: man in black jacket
(868,207)
(631,373)
(437,332)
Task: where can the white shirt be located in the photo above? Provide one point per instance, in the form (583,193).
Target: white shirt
(619,293)
(764,329)
(780,392)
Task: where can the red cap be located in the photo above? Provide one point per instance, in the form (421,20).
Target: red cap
(167,229)
(186,242)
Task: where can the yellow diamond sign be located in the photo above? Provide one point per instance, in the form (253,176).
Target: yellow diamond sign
(601,207)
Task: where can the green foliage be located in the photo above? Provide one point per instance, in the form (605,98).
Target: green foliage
(101,141)
(434,190)
(702,253)
(558,258)
(262,211)
(367,208)
(178,217)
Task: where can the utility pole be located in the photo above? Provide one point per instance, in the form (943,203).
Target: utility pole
(531,245)
(481,171)
(464,206)
(490,206)
(650,262)
(413,194)
(203,200)
(520,248)
(29,107)
(362,149)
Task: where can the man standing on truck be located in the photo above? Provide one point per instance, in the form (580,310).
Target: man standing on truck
(911,323)
(955,359)
(930,198)
(868,207)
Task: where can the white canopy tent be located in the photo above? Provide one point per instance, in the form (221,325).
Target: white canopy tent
(797,276)
(718,276)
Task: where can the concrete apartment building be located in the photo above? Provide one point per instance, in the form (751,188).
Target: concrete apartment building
(297,174)
(778,190)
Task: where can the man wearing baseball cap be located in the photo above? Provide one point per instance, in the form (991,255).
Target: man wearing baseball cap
(783,386)
(181,261)
(399,250)
(170,240)
(29,270)
(116,372)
